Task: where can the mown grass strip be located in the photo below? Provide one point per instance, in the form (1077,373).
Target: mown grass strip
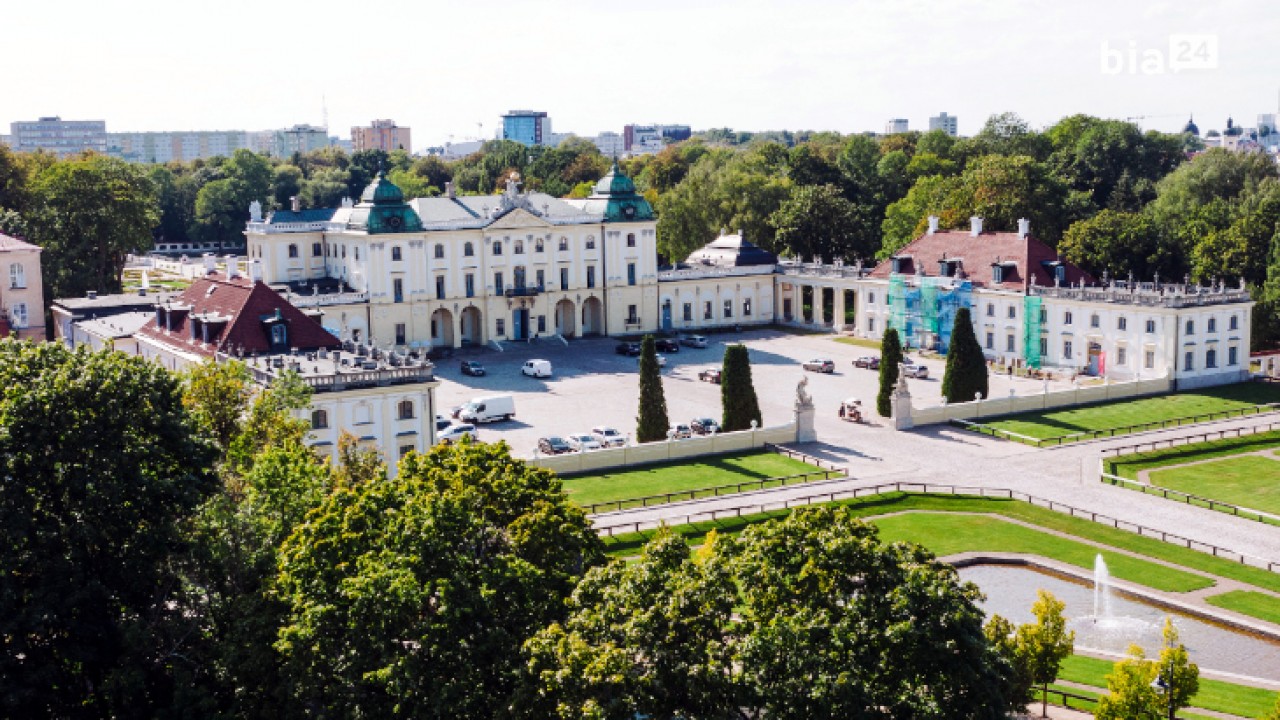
(1256,604)
(1214,695)
(681,476)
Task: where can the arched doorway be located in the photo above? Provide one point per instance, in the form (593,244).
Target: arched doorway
(592,316)
(472,326)
(442,328)
(566,325)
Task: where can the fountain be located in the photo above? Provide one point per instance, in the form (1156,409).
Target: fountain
(1101,590)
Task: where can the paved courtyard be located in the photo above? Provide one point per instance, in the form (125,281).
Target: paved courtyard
(594,386)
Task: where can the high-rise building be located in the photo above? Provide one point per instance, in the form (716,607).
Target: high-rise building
(529,127)
(58,136)
(945,123)
(184,146)
(609,143)
(299,139)
(640,139)
(381,135)
(895,126)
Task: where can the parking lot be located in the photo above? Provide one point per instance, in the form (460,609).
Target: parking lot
(592,385)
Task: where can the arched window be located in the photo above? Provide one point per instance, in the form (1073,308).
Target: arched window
(293,250)
(405,410)
(519,247)
(17,276)
(468,250)
(319,419)
(439,251)
(1211,358)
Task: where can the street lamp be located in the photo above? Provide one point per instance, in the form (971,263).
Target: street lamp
(1165,687)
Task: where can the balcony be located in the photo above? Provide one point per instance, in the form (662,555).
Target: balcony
(526,291)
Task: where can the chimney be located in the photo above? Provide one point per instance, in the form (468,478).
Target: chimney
(933,224)
(295,204)
(449,191)
(255,271)
(1024,227)
(975,226)
(233,267)
(210,263)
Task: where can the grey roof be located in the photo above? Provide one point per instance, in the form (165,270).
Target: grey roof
(310,215)
(113,304)
(731,251)
(473,211)
(117,326)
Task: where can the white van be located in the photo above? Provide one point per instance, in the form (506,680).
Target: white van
(537,368)
(488,409)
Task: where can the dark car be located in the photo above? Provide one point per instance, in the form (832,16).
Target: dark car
(554,445)
(704,426)
(629,349)
(711,376)
(473,368)
(666,345)
(870,362)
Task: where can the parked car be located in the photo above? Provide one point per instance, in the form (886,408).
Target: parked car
(666,345)
(536,368)
(913,370)
(681,431)
(455,433)
(870,362)
(472,368)
(582,442)
(442,422)
(554,445)
(630,349)
(694,341)
(662,360)
(820,366)
(488,409)
(609,437)
(711,376)
(704,426)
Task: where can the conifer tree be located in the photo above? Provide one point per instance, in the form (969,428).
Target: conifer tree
(737,393)
(651,423)
(966,373)
(890,362)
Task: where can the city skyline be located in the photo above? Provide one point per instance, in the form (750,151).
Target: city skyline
(817,64)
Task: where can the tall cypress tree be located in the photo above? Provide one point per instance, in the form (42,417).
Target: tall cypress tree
(652,423)
(966,372)
(737,393)
(890,362)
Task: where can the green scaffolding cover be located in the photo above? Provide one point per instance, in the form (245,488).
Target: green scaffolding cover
(1031,331)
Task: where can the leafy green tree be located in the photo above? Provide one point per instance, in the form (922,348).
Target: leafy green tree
(1118,243)
(643,639)
(907,219)
(1266,315)
(88,214)
(1002,189)
(890,366)
(966,373)
(102,463)
(1180,676)
(357,465)
(217,396)
(818,222)
(836,624)
(737,392)
(1130,694)
(412,597)
(1002,635)
(1110,158)
(270,421)
(222,205)
(1045,643)
(1240,249)
(721,191)
(651,422)
(286,184)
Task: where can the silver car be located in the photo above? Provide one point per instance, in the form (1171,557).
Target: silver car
(915,371)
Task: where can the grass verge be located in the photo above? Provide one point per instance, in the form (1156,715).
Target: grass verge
(1124,413)
(1214,694)
(1256,604)
(860,342)
(681,476)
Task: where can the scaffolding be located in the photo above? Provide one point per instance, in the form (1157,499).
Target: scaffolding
(1031,330)
(924,313)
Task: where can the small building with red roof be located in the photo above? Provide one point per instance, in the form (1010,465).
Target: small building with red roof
(21,289)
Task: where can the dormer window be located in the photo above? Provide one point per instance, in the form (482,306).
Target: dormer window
(279,335)
(949,267)
(900,263)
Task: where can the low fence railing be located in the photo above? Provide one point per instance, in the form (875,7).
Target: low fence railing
(1117,430)
(621,526)
(1201,437)
(801,456)
(713,491)
(1192,499)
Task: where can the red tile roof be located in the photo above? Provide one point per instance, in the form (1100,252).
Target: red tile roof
(1021,257)
(244,305)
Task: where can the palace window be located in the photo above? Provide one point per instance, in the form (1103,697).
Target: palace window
(400,333)
(404,410)
(631,239)
(468,250)
(396,255)
(1211,358)
(471,285)
(631,273)
(1013,312)
(497,247)
(18,313)
(1151,327)
(1233,323)
(438,251)
(1095,321)
(440,287)
(991,341)
(728,309)
(688,312)
(1189,360)
(1122,323)
(1149,359)
(497,283)
(319,419)
(632,317)
(991,309)
(591,276)
(1066,318)
(1233,356)
(1009,343)
(746,307)
(1121,357)
(519,249)
(564,244)
(706,310)
(1066,350)
(537,245)
(591,242)
(501,326)
(397,290)
(1190,327)
(1213,325)
(316,250)
(293,250)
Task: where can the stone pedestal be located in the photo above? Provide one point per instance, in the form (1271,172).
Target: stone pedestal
(804,423)
(900,404)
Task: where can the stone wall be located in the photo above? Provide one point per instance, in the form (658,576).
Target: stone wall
(663,451)
(976,410)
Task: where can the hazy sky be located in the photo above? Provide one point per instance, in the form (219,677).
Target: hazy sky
(442,67)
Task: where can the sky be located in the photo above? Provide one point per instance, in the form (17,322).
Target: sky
(449,70)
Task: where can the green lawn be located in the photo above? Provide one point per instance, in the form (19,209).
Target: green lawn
(1214,694)
(1259,605)
(628,544)
(1249,481)
(860,342)
(1122,413)
(949,534)
(1129,465)
(681,476)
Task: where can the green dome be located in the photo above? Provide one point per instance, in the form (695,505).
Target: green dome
(615,183)
(382,192)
